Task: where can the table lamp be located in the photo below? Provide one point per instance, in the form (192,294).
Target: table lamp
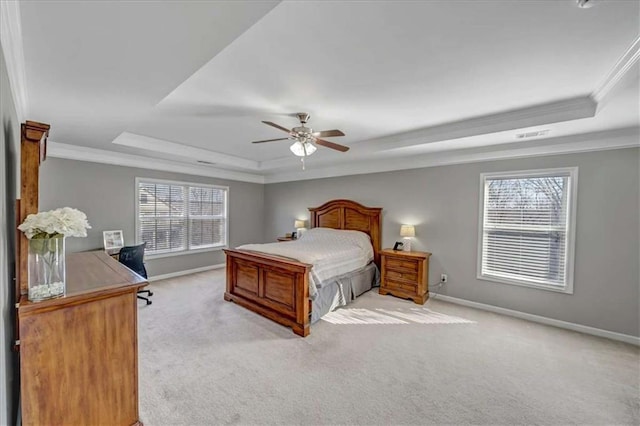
(407,232)
(300,227)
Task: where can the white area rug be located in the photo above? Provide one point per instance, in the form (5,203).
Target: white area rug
(388,316)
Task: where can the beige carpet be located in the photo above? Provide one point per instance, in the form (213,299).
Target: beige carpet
(204,361)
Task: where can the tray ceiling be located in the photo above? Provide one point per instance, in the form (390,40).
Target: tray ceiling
(192,81)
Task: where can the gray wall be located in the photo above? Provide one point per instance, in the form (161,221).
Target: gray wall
(107,195)
(443,203)
(9,161)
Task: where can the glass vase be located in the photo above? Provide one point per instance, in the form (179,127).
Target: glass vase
(46,268)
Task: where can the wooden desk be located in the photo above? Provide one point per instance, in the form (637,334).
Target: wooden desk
(114,253)
(79,353)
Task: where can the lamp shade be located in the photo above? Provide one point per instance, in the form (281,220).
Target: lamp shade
(302,149)
(299,224)
(407,231)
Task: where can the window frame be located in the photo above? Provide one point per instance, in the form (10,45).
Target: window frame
(572,200)
(138,240)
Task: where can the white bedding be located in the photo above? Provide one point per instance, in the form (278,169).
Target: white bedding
(332,252)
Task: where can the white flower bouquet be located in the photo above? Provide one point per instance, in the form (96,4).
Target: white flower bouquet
(66,222)
(46,232)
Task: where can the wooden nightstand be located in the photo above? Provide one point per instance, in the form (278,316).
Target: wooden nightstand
(405,274)
(282,239)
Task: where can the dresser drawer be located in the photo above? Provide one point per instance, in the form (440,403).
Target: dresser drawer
(399,285)
(402,274)
(401,264)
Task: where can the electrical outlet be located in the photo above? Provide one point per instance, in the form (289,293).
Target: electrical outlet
(443,278)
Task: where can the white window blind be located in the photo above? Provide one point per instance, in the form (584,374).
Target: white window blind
(175,217)
(527,229)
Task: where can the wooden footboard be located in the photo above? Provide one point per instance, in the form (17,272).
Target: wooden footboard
(273,287)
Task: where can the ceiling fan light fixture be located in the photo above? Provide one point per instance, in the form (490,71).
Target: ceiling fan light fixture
(302,149)
(305,140)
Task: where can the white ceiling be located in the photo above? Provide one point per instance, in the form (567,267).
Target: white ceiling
(93,68)
(192,81)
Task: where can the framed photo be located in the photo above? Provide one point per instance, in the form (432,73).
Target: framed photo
(399,245)
(113,239)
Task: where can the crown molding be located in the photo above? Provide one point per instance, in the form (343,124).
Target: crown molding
(81,153)
(596,141)
(11,40)
(521,118)
(148,143)
(552,112)
(619,70)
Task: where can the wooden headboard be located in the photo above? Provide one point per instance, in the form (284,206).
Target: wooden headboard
(349,215)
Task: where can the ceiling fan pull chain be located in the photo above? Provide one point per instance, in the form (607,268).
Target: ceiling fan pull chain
(302,159)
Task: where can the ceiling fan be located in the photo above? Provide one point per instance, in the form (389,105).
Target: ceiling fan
(305,138)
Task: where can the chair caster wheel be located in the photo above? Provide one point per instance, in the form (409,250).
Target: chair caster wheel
(148,302)
(150,293)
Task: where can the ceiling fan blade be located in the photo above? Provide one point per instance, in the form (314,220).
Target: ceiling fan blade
(332,145)
(277,126)
(270,140)
(328,133)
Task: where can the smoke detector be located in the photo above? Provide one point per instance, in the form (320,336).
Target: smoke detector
(585,4)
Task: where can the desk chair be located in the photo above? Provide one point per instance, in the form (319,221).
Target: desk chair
(132,257)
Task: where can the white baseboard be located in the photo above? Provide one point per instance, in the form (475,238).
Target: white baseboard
(542,320)
(187,272)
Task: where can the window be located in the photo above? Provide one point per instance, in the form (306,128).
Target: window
(179,218)
(527,227)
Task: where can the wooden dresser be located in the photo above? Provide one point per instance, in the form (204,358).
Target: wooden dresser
(79,353)
(405,274)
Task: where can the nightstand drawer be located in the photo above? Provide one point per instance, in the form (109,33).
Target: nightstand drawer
(400,264)
(402,274)
(400,285)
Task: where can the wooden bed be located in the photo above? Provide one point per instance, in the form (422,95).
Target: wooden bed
(278,288)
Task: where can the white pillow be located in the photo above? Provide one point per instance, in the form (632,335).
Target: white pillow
(339,236)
